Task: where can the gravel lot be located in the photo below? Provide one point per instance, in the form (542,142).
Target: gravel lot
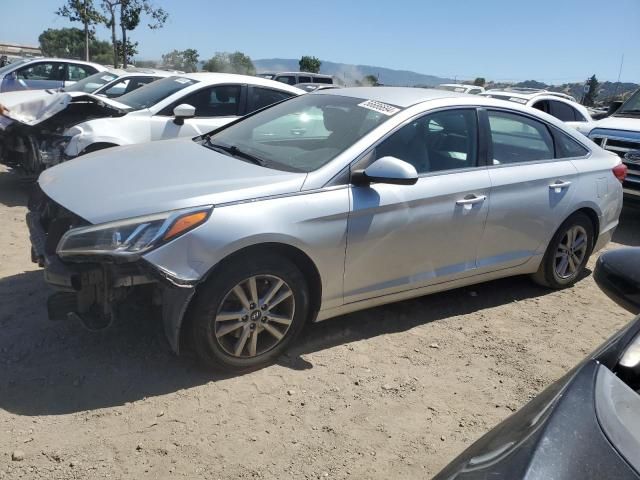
(395,391)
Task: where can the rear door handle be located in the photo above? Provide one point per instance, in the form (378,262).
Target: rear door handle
(471,200)
(559,185)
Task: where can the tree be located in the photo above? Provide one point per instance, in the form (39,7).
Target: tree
(309,64)
(69,42)
(236,62)
(479,82)
(592,92)
(110,7)
(131,12)
(82,11)
(186,60)
(370,80)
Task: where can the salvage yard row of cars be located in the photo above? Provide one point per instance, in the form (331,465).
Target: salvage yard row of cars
(240,209)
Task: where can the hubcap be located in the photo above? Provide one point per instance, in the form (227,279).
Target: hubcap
(254,316)
(571,252)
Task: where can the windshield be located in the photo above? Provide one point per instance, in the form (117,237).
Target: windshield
(155,92)
(92,82)
(632,105)
(304,133)
(11,66)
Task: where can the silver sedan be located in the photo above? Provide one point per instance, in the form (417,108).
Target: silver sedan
(324,204)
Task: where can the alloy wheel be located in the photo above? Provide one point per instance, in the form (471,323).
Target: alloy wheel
(571,252)
(254,316)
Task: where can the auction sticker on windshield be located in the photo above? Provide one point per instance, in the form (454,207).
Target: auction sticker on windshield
(380,107)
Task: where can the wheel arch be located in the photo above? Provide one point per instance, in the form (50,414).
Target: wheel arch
(94,147)
(306,265)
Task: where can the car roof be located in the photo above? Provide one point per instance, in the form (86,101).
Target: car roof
(465,85)
(214,78)
(147,71)
(400,96)
(526,93)
(306,74)
(66,60)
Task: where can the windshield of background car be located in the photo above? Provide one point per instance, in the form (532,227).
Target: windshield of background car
(521,101)
(632,105)
(11,66)
(92,82)
(304,133)
(155,92)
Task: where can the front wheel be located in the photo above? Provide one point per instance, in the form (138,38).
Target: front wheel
(248,312)
(567,254)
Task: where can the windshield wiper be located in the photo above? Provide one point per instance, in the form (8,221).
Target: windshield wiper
(235,151)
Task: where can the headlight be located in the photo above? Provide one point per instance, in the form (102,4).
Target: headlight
(131,238)
(52,150)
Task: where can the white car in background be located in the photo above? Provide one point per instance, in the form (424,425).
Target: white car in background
(115,82)
(461,88)
(37,135)
(41,73)
(560,105)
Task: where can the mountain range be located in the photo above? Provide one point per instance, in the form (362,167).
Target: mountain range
(350,74)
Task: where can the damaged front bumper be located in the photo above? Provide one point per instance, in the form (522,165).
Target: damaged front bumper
(97,292)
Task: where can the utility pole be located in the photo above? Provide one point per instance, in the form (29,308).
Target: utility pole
(615,91)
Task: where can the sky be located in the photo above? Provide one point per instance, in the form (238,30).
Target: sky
(554,41)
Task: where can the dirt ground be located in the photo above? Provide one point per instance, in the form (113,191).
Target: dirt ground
(396,391)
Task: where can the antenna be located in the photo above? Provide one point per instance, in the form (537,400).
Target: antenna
(615,92)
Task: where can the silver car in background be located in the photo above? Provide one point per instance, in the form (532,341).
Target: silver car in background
(321,205)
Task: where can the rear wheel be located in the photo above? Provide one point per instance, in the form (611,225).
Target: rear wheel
(567,253)
(247,313)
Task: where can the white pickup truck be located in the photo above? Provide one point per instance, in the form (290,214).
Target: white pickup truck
(620,134)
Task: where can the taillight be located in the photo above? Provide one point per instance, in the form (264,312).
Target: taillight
(620,172)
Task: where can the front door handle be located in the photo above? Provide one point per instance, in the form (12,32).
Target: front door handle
(470,200)
(559,185)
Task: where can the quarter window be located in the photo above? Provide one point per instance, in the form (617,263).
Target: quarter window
(516,138)
(567,147)
(445,140)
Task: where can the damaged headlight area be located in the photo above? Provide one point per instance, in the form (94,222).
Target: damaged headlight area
(129,239)
(51,150)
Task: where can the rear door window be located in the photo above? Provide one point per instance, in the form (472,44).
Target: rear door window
(304,79)
(77,72)
(217,101)
(562,111)
(288,79)
(517,139)
(261,97)
(42,71)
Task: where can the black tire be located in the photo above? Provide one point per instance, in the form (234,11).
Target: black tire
(547,274)
(216,290)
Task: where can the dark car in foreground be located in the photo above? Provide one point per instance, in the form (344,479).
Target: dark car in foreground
(587,424)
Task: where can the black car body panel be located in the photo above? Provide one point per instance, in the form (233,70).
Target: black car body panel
(555,436)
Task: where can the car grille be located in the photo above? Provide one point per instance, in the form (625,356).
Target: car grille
(620,146)
(53,221)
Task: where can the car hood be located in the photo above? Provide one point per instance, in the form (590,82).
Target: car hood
(131,181)
(34,107)
(618,123)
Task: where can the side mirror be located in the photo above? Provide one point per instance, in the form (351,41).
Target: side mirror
(386,170)
(617,273)
(614,106)
(183,111)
